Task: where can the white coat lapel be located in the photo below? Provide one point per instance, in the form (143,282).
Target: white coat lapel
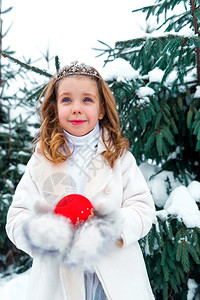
(51,179)
(99,173)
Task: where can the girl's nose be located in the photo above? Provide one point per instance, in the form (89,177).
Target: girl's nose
(76,110)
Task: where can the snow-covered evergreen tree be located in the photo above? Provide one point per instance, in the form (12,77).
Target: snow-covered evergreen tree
(159,104)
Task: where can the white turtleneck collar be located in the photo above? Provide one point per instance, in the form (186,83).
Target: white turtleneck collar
(85,147)
(89,140)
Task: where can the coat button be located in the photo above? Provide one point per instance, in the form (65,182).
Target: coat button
(107,190)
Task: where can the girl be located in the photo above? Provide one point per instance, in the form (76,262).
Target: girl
(81,151)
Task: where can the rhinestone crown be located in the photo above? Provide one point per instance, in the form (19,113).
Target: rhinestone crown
(77,69)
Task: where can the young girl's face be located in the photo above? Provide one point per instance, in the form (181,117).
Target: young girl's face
(78,104)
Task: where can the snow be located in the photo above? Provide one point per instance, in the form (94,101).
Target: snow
(119,69)
(192,286)
(10,184)
(191,75)
(197,93)
(145,91)
(158,191)
(159,184)
(171,78)
(175,153)
(148,170)
(168,193)
(14,287)
(22,153)
(194,189)
(182,205)
(156,75)
(21,168)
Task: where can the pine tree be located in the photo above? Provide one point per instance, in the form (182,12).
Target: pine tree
(18,127)
(160,115)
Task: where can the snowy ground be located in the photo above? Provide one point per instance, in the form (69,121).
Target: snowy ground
(14,287)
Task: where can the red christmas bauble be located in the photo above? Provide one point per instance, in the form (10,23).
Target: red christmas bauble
(75,207)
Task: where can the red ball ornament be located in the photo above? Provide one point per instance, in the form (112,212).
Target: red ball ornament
(75,207)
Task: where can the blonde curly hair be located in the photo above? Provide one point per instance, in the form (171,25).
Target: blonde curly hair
(51,136)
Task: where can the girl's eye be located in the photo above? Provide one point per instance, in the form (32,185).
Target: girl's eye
(87,100)
(66,100)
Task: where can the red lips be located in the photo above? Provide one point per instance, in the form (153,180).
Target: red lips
(77,122)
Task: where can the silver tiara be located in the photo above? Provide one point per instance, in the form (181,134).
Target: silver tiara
(77,69)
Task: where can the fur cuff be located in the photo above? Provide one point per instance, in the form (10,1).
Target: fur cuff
(92,240)
(53,236)
(48,234)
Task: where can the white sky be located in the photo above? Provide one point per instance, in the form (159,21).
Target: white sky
(70,28)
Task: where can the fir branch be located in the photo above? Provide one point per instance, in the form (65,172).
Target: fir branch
(193,253)
(185,257)
(173,283)
(37,93)
(189,118)
(177,276)
(165,270)
(7,10)
(164,255)
(150,141)
(132,43)
(151,239)
(159,143)
(175,19)
(164,6)
(170,245)
(165,290)
(144,9)
(26,66)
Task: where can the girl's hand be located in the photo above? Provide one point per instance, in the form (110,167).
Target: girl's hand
(120,243)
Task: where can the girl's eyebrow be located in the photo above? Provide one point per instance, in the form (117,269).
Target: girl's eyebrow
(64,94)
(89,94)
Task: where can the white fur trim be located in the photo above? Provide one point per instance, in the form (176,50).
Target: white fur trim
(48,234)
(92,240)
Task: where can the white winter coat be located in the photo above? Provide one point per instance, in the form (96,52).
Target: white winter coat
(122,272)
